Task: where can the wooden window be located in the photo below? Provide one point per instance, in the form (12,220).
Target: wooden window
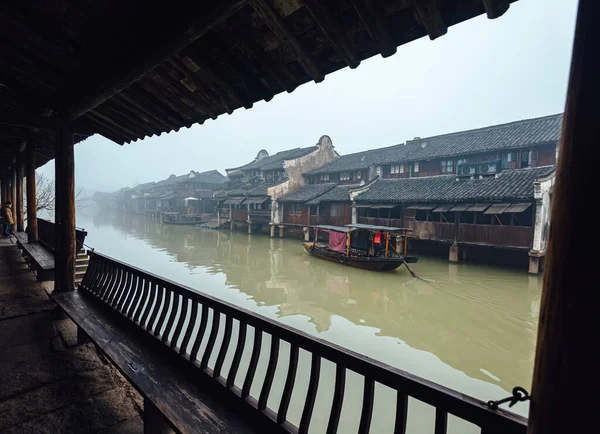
(325,177)
(416,167)
(447,166)
(358,175)
(345,176)
(401,168)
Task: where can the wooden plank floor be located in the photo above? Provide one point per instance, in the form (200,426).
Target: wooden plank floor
(48,384)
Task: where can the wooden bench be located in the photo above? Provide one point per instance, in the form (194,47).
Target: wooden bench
(40,255)
(172,342)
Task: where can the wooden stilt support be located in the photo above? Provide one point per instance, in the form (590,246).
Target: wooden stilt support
(568,319)
(32,223)
(65,211)
(18,205)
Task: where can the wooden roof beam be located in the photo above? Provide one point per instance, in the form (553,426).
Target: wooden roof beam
(106,83)
(370,15)
(124,103)
(332,31)
(495,8)
(216,78)
(429,14)
(279,28)
(37,122)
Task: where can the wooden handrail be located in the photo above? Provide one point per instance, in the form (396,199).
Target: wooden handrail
(47,231)
(154,304)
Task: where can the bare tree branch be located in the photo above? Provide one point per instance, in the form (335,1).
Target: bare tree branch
(45,190)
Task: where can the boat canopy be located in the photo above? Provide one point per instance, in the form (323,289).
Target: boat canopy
(333,228)
(376,228)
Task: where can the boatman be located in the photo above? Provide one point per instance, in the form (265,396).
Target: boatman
(378,242)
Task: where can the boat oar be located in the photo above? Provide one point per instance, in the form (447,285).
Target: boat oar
(413,274)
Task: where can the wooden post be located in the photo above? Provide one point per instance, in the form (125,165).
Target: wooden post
(64,256)
(13,186)
(568,321)
(18,206)
(32,223)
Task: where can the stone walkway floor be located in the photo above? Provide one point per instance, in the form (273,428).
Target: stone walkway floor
(48,384)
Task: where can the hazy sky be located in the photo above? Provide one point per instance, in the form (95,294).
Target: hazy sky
(483,72)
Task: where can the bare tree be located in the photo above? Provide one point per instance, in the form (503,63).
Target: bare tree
(45,194)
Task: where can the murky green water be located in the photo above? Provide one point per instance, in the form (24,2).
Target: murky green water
(471,328)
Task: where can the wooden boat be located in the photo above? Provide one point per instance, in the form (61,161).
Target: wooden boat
(355,245)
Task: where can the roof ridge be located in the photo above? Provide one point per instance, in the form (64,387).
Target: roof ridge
(490,127)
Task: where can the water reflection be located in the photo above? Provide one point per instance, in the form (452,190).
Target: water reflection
(470,327)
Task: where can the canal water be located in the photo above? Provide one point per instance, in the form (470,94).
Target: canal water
(471,328)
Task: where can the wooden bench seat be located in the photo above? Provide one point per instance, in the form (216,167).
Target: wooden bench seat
(171,391)
(39,256)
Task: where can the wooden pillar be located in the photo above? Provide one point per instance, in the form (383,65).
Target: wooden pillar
(65,210)
(32,223)
(565,358)
(13,186)
(18,206)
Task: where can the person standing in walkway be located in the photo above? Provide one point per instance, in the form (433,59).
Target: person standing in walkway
(8,219)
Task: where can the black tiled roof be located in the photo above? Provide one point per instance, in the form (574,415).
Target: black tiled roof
(340,193)
(510,184)
(275,161)
(209,177)
(306,193)
(513,135)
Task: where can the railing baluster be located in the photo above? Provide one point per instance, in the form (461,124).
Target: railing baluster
(111,283)
(105,282)
(224,346)
(253,363)
(102,274)
(133,296)
(179,327)
(190,328)
(137,311)
(367,406)
(163,313)
(121,299)
(401,413)
(271,367)
(441,420)
(159,299)
(89,273)
(151,290)
(200,334)
(311,394)
(172,316)
(211,339)
(237,356)
(338,399)
(114,294)
(289,385)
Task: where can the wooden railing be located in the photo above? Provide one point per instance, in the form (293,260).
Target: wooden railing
(496,235)
(260,215)
(47,234)
(396,223)
(178,316)
(239,215)
(295,219)
(433,230)
(329,220)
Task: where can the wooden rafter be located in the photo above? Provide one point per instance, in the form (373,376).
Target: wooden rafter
(233,94)
(495,8)
(280,29)
(371,16)
(332,31)
(429,14)
(104,83)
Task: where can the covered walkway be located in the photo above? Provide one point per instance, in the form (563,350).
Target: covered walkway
(48,383)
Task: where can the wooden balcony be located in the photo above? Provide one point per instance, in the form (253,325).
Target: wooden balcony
(239,215)
(505,236)
(396,223)
(260,215)
(433,230)
(329,220)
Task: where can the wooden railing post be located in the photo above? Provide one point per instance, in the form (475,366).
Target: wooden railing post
(562,383)
(32,222)
(18,206)
(65,210)
(13,185)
